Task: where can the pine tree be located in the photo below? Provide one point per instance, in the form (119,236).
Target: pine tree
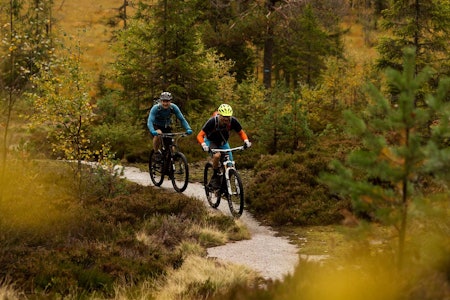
(161,49)
(422,24)
(284,126)
(301,49)
(381,177)
(228,27)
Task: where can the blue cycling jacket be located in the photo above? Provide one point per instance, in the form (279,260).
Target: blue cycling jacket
(161,117)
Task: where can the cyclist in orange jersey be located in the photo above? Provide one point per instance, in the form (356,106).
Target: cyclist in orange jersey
(216,132)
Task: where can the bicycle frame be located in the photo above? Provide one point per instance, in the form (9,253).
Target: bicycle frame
(233,190)
(173,145)
(227,163)
(174,163)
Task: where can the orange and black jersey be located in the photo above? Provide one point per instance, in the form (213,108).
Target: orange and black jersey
(219,135)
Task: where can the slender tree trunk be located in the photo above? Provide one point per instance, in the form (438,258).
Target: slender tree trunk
(268,52)
(268,47)
(404,208)
(125,4)
(165,56)
(10,101)
(275,141)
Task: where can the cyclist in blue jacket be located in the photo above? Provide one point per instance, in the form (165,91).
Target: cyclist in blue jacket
(159,119)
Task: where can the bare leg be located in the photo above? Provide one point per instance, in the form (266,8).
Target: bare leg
(157,141)
(216,160)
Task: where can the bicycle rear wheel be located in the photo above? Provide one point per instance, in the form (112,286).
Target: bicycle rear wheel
(212,195)
(179,172)
(236,198)
(156,168)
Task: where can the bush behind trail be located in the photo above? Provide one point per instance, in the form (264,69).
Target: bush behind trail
(285,189)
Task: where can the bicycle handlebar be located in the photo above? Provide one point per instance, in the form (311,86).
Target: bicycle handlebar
(173,134)
(228,150)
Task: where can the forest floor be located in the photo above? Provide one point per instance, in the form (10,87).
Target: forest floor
(268,252)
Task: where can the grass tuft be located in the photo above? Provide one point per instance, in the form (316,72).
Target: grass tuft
(201,278)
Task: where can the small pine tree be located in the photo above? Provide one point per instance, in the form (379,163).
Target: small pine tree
(381,177)
(284,126)
(302,50)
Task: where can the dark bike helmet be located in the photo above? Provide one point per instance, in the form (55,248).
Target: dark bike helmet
(165,96)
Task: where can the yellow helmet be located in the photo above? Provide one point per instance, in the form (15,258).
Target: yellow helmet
(225,110)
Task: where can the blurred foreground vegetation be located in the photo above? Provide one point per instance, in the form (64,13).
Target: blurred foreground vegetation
(106,244)
(136,242)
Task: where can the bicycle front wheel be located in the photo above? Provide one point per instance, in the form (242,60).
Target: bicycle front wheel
(180,172)
(236,198)
(212,195)
(156,168)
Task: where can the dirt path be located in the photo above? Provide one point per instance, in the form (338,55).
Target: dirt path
(265,252)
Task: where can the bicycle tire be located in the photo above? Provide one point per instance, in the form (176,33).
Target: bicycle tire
(179,172)
(211,196)
(155,169)
(236,198)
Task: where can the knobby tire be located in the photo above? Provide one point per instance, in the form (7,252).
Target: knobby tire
(156,169)
(236,198)
(180,172)
(212,195)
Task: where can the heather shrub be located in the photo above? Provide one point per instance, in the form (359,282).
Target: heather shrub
(286,190)
(53,245)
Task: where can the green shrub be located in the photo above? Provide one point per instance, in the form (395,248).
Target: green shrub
(123,138)
(286,190)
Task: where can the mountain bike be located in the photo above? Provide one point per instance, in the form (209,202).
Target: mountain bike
(169,161)
(230,186)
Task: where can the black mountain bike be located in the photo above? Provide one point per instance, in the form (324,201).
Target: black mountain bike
(169,161)
(230,183)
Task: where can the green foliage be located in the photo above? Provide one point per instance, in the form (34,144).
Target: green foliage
(286,189)
(284,126)
(27,41)
(325,102)
(62,104)
(421,24)
(114,126)
(383,176)
(164,52)
(233,41)
(302,48)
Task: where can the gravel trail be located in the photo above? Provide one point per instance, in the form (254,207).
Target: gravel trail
(273,256)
